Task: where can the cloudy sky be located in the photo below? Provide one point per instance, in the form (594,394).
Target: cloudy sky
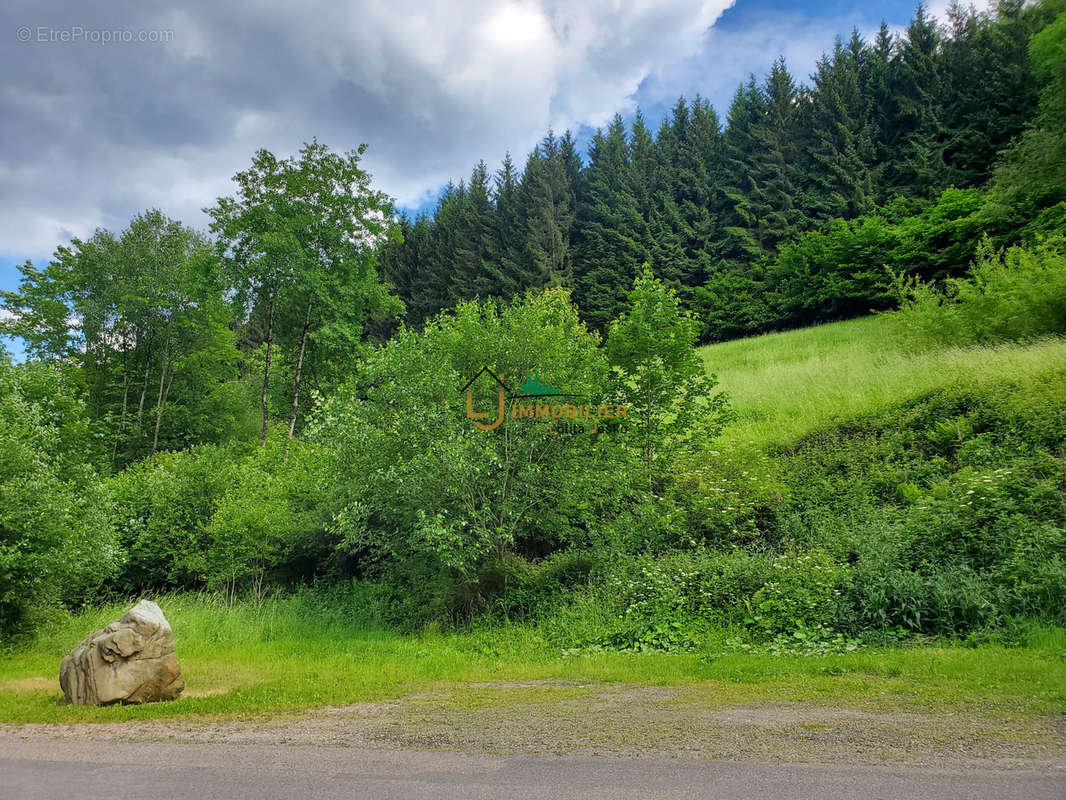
(110,108)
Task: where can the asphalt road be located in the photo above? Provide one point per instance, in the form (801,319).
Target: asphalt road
(35,770)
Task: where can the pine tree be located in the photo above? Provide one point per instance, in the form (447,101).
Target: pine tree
(876,78)
(422,293)
(475,273)
(549,213)
(394,263)
(643,168)
(992,91)
(839,136)
(609,229)
(775,163)
(738,247)
(436,288)
(688,151)
(916,139)
(666,223)
(733,299)
(509,251)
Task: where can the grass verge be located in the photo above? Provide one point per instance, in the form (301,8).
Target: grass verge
(289,653)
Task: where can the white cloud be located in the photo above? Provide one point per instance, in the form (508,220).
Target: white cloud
(99,133)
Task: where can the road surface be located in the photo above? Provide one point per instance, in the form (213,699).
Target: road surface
(34,769)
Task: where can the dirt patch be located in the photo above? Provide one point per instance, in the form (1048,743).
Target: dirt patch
(39,684)
(205,692)
(617,720)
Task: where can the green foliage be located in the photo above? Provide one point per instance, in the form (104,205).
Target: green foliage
(937,515)
(222,517)
(311,648)
(805,591)
(271,523)
(298,244)
(860,497)
(726,499)
(162,510)
(843,270)
(56,541)
(657,371)
(940,504)
(1034,170)
(609,228)
(1017,294)
(431,498)
(141,313)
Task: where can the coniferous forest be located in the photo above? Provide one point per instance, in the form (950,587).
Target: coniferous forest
(782,210)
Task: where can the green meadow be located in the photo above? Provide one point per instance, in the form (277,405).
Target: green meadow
(290,651)
(298,652)
(785,385)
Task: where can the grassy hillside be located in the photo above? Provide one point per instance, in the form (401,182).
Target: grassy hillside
(785,385)
(869,529)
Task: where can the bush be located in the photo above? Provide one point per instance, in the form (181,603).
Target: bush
(162,509)
(441,508)
(725,500)
(223,517)
(56,542)
(650,601)
(271,521)
(1019,294)
(807,590)
(839,271)
(948,509)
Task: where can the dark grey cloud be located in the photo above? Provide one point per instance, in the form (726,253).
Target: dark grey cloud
(95,130)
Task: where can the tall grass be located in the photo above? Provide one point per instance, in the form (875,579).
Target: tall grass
(785,385)
(315,649)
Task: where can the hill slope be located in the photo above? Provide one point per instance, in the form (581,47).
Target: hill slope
(786,385)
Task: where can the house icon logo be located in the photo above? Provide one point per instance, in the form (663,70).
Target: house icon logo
(501,394)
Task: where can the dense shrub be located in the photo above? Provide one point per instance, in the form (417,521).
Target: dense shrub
(1016,294)
(949,507)
(942,515)
(272,520)
(806,590)
(443,509)
(431,498)
(56,541)
(162,509)
(223,517)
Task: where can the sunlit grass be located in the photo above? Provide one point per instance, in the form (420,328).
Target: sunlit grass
(295,652)
(785,385)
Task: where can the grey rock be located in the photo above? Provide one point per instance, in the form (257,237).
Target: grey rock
(132,660)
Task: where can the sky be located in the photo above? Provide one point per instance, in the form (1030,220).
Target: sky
(110,108)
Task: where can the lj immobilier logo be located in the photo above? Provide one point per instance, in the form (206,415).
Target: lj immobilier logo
(537,401)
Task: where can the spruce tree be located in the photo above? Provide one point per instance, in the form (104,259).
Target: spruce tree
(992,90)
(775,163)
(475,273)
(916,142)
(549,213)
(839,136)
(609,229)
(738,247)
(509,251)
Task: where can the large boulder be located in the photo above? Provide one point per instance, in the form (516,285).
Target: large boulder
(130,661)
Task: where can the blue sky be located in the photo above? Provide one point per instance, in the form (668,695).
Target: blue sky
(96,133)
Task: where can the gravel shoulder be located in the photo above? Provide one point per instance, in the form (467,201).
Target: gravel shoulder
(613,720)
